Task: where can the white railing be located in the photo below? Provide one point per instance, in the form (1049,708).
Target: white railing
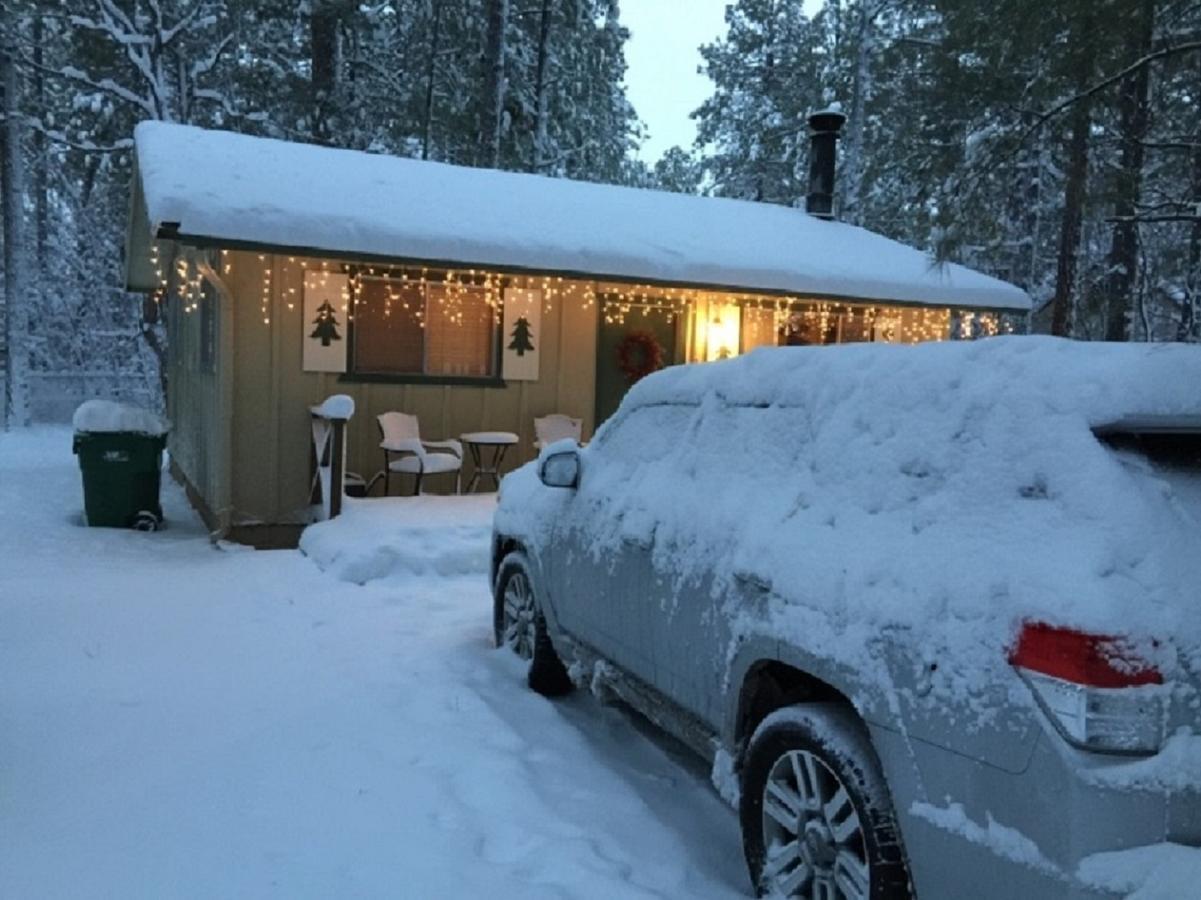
(329,453)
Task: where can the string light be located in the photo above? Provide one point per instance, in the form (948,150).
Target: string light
(456,297)
(265,301)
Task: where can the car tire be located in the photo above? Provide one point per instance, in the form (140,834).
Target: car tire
(518,624)
(815,808)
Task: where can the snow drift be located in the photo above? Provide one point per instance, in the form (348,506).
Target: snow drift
(404,536)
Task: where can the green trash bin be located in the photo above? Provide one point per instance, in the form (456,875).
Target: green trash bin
(122,471)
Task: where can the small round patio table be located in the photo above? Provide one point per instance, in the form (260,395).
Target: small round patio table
(476,441)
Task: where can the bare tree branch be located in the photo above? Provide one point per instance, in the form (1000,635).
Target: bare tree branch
(1183,217)
(60,137)
(1161,53)
(208,63)
(107,85)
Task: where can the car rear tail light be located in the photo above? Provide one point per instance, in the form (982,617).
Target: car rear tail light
(1098,692)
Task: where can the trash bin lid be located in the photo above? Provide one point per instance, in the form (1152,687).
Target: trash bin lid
(107,417)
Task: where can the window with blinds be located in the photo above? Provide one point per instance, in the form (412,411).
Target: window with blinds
(402,328)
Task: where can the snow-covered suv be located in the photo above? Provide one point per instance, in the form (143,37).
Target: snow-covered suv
(934,613)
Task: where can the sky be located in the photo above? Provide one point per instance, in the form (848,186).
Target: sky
(662,80)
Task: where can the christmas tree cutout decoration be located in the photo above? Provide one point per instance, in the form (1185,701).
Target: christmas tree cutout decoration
(327,325)
(523,337)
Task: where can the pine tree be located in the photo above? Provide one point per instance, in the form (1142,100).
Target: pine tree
(766,74)
(327,325)
(1051,145)
(523,337)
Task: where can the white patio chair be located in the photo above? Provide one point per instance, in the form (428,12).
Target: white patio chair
(406,453)
(556,427)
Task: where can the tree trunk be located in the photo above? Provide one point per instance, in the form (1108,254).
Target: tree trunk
(41,188)
(1073,216)
(323,52)
(834,7)
(493,97)
(852,193)
(1134,103)
(427,119)
(760,157)
(12,187)
(1188,327)
(540,95)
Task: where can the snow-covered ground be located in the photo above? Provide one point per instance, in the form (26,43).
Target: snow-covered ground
(401,536)
(178,720)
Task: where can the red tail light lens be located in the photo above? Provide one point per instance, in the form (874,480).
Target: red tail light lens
(1096,691)
(1091,660)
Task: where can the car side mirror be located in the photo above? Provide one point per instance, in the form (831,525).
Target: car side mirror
(561,470)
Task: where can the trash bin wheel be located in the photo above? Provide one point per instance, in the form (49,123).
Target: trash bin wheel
(145,521)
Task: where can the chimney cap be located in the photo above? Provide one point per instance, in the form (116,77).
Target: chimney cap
(831,118)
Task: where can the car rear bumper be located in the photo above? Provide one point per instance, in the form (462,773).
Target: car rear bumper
(1065,827)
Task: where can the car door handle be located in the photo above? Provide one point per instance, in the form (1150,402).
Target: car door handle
(752,581)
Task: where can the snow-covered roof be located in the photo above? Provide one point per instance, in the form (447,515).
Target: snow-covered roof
(221,186)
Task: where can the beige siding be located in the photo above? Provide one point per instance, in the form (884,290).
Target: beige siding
(198,397)
(272,394)
(243,432)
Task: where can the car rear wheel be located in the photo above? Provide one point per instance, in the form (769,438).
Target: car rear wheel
(518,624)
(817,820)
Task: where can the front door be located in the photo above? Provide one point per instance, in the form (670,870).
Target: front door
(622,348)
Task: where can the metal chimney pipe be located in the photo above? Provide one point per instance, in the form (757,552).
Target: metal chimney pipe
(824,128)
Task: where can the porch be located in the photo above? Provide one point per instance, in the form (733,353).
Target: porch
(461,350)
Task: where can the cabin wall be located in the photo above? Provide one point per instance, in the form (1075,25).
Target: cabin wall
(198,388)
(272,394)
(258,408)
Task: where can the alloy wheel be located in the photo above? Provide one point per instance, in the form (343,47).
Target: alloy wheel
(520,612)
(811,829)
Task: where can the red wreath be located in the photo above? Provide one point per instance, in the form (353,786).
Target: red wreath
(638,355)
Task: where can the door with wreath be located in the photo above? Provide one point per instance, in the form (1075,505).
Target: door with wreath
(630,346)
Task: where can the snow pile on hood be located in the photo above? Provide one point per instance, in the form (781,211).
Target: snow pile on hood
(952,489)
(105,417)
(403,536)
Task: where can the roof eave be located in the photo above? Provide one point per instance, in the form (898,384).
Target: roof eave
(172,231)
(137,268)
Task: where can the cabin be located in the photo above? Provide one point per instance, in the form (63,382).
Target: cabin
(473,299)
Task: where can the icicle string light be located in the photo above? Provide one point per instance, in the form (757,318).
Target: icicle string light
(456,293)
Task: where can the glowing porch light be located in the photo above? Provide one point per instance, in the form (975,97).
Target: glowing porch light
(723,331)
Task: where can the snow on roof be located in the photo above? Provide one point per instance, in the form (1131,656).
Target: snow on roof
(230,187)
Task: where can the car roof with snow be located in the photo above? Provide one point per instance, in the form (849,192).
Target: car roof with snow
(226,188)
(956,488)
(1141,385)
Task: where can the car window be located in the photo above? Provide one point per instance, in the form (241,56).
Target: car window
(1172,457)
(633,471)
(646,433)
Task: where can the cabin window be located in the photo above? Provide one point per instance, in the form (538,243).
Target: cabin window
(208,327)
(408,329)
